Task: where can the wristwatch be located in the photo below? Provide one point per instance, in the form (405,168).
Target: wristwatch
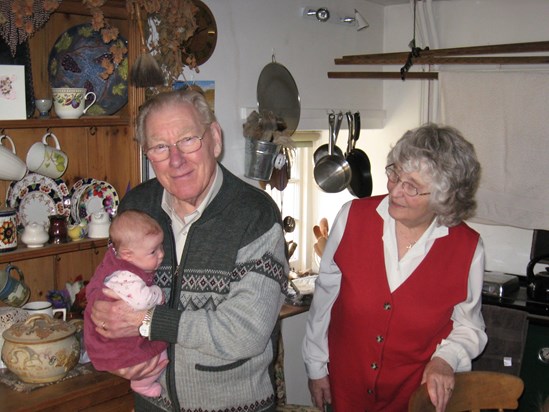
(145,328)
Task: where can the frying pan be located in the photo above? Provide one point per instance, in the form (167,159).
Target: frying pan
(359,163)
(322,150)
(332,172)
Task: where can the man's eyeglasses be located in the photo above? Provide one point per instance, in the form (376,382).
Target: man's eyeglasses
(408,188)
(186,145)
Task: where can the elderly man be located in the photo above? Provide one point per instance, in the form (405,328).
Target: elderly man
(224,270)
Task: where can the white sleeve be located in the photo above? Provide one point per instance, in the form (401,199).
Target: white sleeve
(133,290)
(315,344)
(467,339)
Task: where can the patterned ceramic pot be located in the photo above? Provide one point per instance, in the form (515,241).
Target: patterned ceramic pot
(8,230)
(41,349)
(8,317)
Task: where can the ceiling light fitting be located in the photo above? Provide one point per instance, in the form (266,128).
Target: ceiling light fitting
(323,15)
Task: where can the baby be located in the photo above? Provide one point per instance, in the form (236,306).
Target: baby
(128,269)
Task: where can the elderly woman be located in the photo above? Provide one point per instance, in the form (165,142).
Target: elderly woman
(398,297)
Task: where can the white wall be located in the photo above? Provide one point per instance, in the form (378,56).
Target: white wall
(250,31)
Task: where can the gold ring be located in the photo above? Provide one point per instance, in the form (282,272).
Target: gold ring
(103,326)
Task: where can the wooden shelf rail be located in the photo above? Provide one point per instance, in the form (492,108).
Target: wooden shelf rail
(457,55)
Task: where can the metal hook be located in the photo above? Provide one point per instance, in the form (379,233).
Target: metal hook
(93,130)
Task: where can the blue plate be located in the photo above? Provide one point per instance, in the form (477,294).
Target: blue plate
(75,61)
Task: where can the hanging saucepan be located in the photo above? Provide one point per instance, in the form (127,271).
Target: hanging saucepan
(361,178)
(332,173)
(322,150)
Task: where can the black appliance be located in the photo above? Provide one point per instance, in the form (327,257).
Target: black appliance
(538,284)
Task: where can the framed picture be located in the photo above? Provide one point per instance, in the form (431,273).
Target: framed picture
(206,87)
(24,85)
(12,92)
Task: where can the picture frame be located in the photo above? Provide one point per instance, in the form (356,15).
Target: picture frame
(21,58)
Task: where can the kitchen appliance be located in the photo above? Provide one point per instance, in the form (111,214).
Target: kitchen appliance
(499,284)
(538,284)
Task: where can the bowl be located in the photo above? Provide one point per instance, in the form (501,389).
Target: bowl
(41,349)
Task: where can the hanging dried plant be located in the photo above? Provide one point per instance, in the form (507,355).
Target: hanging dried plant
(173,23)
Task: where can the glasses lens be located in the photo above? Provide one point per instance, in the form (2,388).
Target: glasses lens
(409,189)
(391,174)
(158,153)
(189,144)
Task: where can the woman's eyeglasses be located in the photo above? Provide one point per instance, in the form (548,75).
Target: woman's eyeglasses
(408,188)
(186,145)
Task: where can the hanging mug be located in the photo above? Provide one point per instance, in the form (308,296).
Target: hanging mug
(13,292)
(11,167)
(47,160)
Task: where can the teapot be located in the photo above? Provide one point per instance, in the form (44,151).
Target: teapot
(13,292)
(35,235)
(538,284)
(99,225)
(79,231)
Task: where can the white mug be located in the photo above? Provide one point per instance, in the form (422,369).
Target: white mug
(11,167)
(70,102)
(47,160)
(44,307)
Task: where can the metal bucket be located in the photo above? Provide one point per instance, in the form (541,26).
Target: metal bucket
(259,158)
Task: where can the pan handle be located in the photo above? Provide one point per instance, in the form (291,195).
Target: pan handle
(356,128)
(331,133)
(350,122)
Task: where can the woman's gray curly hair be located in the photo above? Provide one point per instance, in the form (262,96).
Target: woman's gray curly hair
(173,98)
(443,157)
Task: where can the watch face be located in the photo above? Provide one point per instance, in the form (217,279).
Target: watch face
(202,44)
(144,330)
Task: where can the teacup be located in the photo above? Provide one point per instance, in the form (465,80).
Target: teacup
(70,102)
(47,160)
(11,167)
(44,307)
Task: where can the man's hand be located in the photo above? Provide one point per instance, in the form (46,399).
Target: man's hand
(116,319)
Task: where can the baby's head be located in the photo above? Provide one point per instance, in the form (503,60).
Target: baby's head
(137,238)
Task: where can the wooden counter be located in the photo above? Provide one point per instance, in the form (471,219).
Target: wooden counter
(95,392)
(98,391)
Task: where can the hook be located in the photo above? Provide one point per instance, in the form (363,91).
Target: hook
(93,130)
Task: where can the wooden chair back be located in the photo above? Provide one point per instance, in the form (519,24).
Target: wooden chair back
(474,391)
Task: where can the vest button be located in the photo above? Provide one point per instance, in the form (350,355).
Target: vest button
(379,338)
(370,392)
(374,366)
(387,306)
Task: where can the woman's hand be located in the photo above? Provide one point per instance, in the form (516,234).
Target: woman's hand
(116,319)
(320,392)
(439,376)
(151,367)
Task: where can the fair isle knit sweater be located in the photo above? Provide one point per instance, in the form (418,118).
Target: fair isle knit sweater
(224,301)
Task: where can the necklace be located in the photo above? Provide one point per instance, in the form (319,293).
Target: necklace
(411,244)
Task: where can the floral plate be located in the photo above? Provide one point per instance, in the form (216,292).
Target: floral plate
(97,196)
(37,207)
(76,191)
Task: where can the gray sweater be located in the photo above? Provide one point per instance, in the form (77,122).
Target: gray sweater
(224,300)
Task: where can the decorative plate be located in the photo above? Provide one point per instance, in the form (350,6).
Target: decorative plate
(34,182)
(97,196)
(36,207)
(76,190)
(75,61)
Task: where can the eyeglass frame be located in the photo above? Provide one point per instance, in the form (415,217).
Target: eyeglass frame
(176,144)
(390,169)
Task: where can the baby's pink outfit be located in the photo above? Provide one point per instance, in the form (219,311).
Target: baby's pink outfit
(135,287)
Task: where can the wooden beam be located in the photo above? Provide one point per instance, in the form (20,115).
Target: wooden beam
(540,46)
(383,75)
(445,60)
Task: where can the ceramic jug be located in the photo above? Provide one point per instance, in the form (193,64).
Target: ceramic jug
(99,225)
(35,235)
(13,292)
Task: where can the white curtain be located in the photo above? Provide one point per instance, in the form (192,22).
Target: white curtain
(506,116)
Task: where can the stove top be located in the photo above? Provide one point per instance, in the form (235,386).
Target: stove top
(518,299)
